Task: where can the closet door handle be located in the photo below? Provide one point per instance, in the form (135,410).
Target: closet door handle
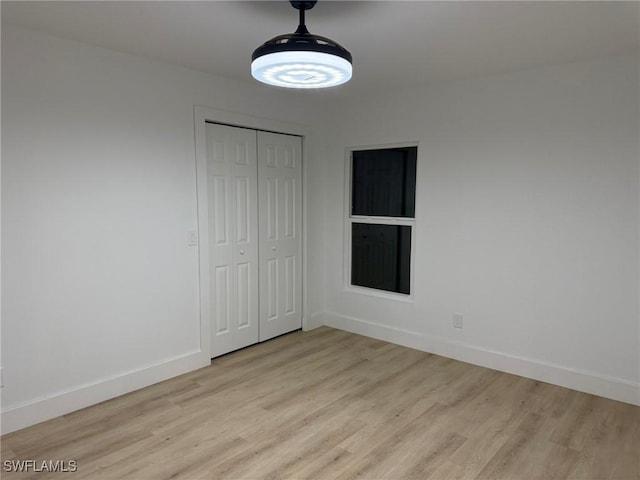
(241,252)
(273,248)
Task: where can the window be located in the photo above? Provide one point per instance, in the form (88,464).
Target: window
(381,218)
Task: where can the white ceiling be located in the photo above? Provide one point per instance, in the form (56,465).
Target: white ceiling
(395,44)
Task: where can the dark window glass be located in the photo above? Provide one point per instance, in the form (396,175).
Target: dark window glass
(384,182)
(381,256)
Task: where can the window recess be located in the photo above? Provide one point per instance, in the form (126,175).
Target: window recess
(381,218)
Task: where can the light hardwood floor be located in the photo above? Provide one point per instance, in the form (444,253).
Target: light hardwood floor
(329,404)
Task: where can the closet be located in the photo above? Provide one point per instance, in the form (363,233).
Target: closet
(254,182)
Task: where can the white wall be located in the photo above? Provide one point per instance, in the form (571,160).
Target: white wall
(527,222)
(100,290)
(527,215)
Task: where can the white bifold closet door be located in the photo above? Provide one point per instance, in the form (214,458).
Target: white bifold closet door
(254,194)
(280,227)
(232,172)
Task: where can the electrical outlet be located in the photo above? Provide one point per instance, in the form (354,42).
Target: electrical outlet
(457,320)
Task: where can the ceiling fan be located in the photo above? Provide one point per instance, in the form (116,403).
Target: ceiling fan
(301,59)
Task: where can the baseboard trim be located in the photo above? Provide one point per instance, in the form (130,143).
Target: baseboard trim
(580,380)
(45,408)
(315,320)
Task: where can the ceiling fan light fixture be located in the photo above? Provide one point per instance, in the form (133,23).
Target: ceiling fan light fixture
(300,59)
(304,69)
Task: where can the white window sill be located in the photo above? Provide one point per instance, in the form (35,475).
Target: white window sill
(373,292)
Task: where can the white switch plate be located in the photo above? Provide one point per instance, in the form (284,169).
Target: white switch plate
(192,238)
(457,320)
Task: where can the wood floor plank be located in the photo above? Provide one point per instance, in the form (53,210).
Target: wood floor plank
(573,428)
(329,404)
(628,465)
(605,447)
(326,465)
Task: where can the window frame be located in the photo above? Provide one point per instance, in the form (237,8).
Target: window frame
(349,219)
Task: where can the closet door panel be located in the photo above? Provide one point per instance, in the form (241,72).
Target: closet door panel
(233,223)
(280,219)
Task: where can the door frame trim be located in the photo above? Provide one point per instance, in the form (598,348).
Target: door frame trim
(202,115)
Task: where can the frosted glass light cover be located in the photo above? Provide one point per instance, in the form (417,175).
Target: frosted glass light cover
(301,69)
